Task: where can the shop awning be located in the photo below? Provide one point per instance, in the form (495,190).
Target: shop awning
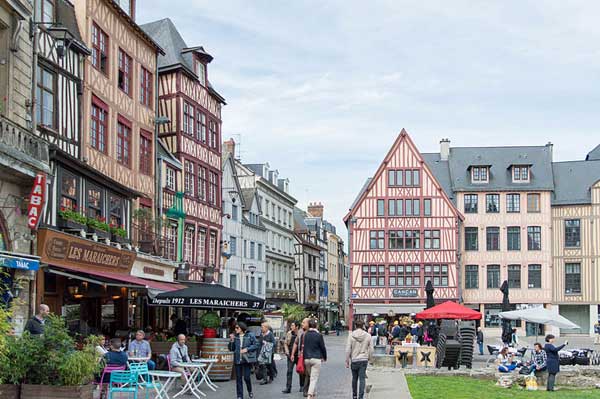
(449,310)
(277,303)
(113,279)
(208,296)
(396,308)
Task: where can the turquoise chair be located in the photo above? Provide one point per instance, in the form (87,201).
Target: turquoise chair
(123,381)
(143,379)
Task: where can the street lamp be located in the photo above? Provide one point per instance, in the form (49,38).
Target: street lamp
(251,268)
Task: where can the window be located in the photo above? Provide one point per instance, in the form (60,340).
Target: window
(260,252)
(533,203)
(396,239)
(514,276)
(188,243)
(404,275)
(69,191)
(479,174)
(201,247)
(534,276)
(45,11)
(200,126)
(493,238)
(234,212)
(492,203)
(412,207)
(432,239)
(471,277)
(116,211)
(513,238)
(427,207)
(260,286)
(520,174)
(471,234)
(99,49)
(171,245)
(125,64)
(202,181)
(534,238)
(212,249)
(188,119)
(213,134)
(513,203)
(373,276)
(146,87)
(170,180)
(123,142)
(416,177)
(213,188)
(377,239)
(201,72)
(233,245)
(395,207)
(145,152)
(252,284)
(45,97)
(380,207)
(437,274)
(411,239)
(99,125)
(94,202)
(416,207)
(252,250)
(233,281)
(470,203)
(572,278)
(408,178)
(572,233)
(493,276)
(189,177)
(395,177)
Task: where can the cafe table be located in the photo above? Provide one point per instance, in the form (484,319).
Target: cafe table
(162,390)
(204,372)
(192,383)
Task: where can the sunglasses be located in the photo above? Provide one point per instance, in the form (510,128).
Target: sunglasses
(238,328)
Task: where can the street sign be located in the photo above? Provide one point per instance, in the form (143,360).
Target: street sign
(36,201)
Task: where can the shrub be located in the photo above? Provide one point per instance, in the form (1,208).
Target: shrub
(210,320)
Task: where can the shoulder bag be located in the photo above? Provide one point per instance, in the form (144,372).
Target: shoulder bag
(300,364)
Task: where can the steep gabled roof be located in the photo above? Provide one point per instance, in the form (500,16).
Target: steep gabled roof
(137,28)
(229,160)
(573,181)
(441,171)
(249,195)
(594,155)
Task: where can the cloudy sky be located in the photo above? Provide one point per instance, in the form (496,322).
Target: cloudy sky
(320,89)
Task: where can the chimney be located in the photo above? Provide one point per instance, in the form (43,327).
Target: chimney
(550,148)
(229,147)
(444,149)
(315,210)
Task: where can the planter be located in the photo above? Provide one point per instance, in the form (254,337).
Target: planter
(210,332)
(66,224)
(119,239)
(9,391)
(100,233)
(57,392)
(218,348)
(146,246)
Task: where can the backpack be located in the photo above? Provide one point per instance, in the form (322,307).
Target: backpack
(381,331)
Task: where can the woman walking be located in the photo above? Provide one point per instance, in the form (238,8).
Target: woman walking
(552,360)
(314,354)
(265,357)
(244,349)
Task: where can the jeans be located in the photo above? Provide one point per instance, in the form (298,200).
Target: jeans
(480,348)
(242,371)
(505,368)
(291,368)
(551,379)
(151,365)
(359,372)
(532,369)
(313,369)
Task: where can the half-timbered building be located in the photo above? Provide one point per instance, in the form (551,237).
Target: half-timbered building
(403,231)
(193,134)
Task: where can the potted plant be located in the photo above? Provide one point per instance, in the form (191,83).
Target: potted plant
(118,234)
(12,370)
(99,227)
(145,225)
(293,312)
(70,219)
(210,321)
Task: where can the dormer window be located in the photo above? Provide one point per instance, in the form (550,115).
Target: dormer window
(520,174)
(125,6)
(479,174)
(201,72)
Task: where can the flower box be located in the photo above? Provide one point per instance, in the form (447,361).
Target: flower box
(117,238)
(102,234)
(67,224)
(29,391)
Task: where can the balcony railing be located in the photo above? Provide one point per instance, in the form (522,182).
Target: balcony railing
(148,241)
(23,145)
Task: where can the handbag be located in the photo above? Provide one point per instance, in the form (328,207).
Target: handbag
(300,364)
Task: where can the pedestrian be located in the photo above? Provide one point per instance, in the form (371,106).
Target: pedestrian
(314,355)
(514,338)
(597,332)
(420,333)
(179,354)
(480,340)
(404,331)
(552,360)
(298,348)
(265,357)
(290,340)
(140,348)
(505,361)
(358,352)
(338,327)
(35,325)
(373,332)
(539,359)
(382,333)
(244,348)
(179,326)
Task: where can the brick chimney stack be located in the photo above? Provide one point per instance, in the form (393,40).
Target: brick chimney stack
(229,147)
(315,210)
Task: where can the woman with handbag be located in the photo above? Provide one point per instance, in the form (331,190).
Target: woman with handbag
(313,349)
(265,357)
(244,349)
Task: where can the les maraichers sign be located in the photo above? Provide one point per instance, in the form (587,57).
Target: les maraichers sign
(67,250)
(207,303)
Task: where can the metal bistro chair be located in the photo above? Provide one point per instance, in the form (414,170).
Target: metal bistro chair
(108,369)
(143,379)
(123,381)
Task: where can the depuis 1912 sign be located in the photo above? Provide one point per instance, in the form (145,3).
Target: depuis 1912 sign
(36,201)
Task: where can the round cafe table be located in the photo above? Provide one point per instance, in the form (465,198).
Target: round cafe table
(192,384)
(162,390)
(204,372)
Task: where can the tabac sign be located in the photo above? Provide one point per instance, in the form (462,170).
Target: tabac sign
(60,249)
(36,201)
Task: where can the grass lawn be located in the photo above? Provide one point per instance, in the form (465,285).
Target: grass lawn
(428,387)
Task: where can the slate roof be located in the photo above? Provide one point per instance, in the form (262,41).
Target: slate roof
(299,216)
(573,180)
(441,171)
(248,196)
(360,193)
(594,155)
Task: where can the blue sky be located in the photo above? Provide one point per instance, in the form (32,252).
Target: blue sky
(320,89)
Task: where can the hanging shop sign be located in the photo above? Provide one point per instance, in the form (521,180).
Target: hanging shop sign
(37,198)
(14,261)
(404,292)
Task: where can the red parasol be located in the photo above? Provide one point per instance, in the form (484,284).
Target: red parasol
(449,310)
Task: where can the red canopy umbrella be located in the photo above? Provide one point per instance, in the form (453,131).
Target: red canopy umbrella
(449,310)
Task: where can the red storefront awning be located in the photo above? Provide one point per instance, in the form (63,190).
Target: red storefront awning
(449,310)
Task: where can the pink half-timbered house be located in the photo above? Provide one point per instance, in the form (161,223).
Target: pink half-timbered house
(403,232)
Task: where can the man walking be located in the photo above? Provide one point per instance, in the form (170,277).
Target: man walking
(35,325)
(358,352)
(290,340)
(480,340)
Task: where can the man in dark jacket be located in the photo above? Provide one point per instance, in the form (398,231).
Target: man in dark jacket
(290,340)
(35,325)
(314,355)
(480,340)
(552,360)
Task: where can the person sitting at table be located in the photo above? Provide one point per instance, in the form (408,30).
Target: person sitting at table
(114,357)
(140,348)
(179,354)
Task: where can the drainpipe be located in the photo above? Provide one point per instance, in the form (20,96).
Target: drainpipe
(34,34)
